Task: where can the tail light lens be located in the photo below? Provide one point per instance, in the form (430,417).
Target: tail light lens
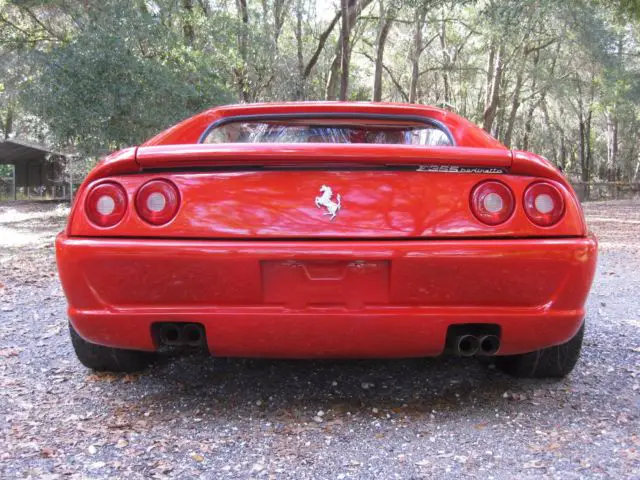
(157,201)
(543,204)
(106,204)
(492,202)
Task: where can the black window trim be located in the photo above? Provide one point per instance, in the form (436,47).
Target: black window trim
(264,117)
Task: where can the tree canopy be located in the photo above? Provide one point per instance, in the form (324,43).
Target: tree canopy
(558,78)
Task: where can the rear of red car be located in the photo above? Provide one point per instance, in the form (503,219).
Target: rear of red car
(327,230)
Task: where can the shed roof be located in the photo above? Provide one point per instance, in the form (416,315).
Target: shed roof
(18,151)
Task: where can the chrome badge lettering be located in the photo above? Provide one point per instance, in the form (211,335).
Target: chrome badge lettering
(460,169)
(325,200)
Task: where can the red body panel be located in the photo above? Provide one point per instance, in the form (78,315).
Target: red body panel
(327,299)
(280,204)
(251,257)
(317,154)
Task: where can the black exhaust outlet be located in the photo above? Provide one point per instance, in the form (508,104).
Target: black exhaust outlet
(193,335)
(471,339)
(489,344)
(178,334)
(170,334)
(467,345)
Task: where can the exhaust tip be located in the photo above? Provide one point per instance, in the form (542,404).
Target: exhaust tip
(170,334)
(489,344)
(467,345)
(193,335)
(179,334)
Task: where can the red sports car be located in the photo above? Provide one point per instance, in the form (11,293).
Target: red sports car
(327,230)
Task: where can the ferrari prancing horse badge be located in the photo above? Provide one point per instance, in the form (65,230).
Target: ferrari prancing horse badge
(325,200)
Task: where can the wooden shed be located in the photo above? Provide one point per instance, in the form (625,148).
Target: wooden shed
(38,172)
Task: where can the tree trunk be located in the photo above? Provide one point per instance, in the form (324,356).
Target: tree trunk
(240,72)
(528,118)
(584,169)
(280,8)
(383,31)
(204,6)
(585,142)
(563,153)
(528,125)
(8,122)
(322,40)
(446,61)
(493,96)
(187,28)
(345,47)
(266,26)
(338,75)
(543,95)
(612,143)
(515,103)
(416,51)
(491,60)
(614,164)
(612,126)
(300,81)
(331,90)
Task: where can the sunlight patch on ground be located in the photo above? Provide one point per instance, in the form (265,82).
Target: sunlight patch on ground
(602,245)
(10,237)
(632,322)
(12,215)
(612,220)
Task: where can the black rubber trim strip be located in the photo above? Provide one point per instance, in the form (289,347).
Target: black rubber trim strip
(281,168)
(336,115)
(241,240)
(323,168)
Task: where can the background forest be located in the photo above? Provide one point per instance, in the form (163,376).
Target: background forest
(561,78)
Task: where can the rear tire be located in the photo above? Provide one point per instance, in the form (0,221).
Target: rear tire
(107,359)
(552,362)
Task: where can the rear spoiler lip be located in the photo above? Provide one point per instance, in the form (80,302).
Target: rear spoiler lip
(188,156)
(175,157)
(249,154)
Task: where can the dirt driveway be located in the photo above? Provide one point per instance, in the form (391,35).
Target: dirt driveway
(195,417)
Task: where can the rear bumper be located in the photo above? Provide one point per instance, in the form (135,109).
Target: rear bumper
(306,299)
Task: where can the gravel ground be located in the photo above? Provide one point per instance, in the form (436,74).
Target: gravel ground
(196,417)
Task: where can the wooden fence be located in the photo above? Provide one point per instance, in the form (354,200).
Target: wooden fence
(606,191)
(585,191)
(9,191)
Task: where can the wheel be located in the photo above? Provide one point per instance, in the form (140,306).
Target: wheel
(552,362)
(108,359)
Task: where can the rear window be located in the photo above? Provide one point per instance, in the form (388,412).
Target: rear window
(328,131)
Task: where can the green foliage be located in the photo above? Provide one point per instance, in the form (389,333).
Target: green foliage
(625,7)
(6,171)
(97,75)
(120,79)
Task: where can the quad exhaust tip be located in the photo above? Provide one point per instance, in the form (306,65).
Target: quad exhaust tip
(489,344)
(193,335)
(467,345)
(180,334)
(470,345)
(169,334)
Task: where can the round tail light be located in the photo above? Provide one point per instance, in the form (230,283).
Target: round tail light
(492,202)
(543,204)
(106,204)
(157,201)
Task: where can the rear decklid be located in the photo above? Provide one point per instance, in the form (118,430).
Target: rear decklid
(309,191)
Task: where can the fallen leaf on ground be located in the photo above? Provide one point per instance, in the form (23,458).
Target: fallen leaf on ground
(197,457)
(10,352)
